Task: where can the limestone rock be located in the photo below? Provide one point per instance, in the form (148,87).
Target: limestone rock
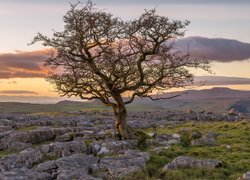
(207,140)
(96,148)
(120,166)
(65,137)
(60,149)
(25,159)
(5,128)
(152,134)
(116,146)
(23,174)
(189,162)
(176,136)
(103,151)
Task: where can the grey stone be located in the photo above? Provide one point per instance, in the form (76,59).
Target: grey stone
(153,142)
(24,174)
(232,118)
(6,133)
(6,122)
(152,134)
(75,166)
(157,150)
(207,140)
(26,158)
(49,167)
(173,141)
(5,128)
(176,136)
(165,137)
(195,134)
(96,148)
(60,149)
(120,166)
(116,146)
(188,162)
(65,137)
(37,136)
(103,150)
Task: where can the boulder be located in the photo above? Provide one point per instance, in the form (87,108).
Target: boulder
(7,122)
(189,162)
(96,148)
(65,137)
(119,166)
(206,140)
(117,146)
(25,159)
(48,167)
(103,150)
(176,136)
(152,134)
(173,141)
(231,118)
(37,136)
(5,128)
(5,133)
(232,115)
(75,166)
(23,174)
(60,149)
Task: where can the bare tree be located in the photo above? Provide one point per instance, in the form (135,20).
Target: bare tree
(98,56)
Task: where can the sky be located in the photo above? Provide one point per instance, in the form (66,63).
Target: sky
(219,30)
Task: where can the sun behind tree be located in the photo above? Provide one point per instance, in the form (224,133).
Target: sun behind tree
(99,56)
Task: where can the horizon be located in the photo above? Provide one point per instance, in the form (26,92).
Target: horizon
(222,37)
(54,100)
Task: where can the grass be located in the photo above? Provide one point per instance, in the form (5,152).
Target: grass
(6,153)
(27,128)
(213,105)
(232,148)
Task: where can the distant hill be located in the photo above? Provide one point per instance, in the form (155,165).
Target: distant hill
(68,102)
(216,100)
(214,93)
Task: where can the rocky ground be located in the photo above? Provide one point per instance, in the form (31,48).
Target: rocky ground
(83,145)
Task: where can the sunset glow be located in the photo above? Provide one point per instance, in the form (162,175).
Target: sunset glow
(223,24)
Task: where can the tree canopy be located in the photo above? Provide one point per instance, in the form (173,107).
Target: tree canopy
(98,56)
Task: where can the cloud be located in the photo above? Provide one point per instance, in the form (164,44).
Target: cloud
(220,80)
(12,82)
(17,92)
(34,99)
(22,64)
(215,49)
(30,64)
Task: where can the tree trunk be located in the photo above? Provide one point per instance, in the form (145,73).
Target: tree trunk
(123,130)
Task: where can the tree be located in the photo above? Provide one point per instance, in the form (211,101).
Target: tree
(98,56)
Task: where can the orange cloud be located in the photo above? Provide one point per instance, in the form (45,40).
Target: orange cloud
(17,92)
(23,64)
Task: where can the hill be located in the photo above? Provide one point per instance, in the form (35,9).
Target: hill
(216,100)
(214,93)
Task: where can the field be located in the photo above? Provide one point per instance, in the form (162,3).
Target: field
(232,147)
(214,105)
(75,128)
